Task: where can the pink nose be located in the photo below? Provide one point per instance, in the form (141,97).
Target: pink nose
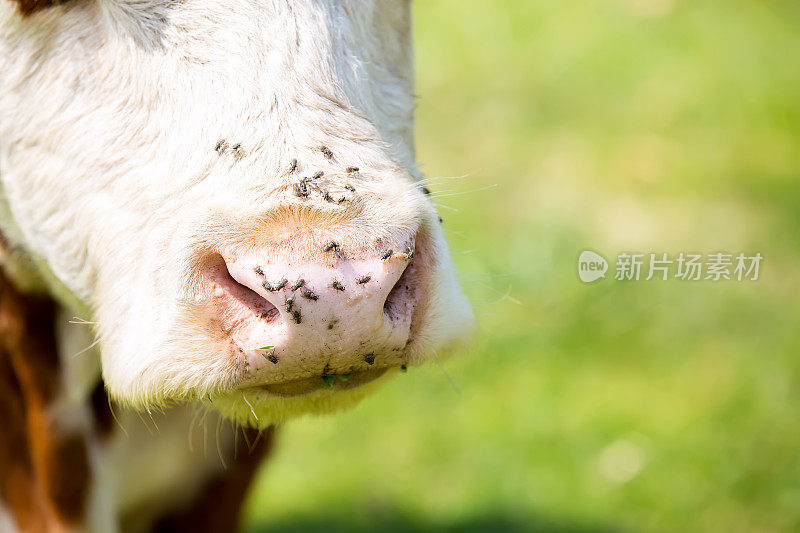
(344,312)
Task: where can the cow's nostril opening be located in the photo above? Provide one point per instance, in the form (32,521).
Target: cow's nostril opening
(236,294)
(399,303)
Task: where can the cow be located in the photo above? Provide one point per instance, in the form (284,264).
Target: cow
(211,216)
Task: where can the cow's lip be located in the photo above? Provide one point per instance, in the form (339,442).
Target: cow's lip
(335,382)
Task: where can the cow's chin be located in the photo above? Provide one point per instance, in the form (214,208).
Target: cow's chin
(201,368)
(261,407)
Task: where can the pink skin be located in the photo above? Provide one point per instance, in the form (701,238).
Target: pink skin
(360,330)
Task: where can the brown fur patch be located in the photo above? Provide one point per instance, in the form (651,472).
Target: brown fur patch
(44,473)
(217,506)
(18,486)
(28,7)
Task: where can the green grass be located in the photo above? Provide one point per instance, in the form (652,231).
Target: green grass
(630,125)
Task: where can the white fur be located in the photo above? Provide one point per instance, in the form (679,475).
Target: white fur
(109,114)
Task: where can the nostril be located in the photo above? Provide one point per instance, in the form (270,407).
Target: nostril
(234,294)
(400,301)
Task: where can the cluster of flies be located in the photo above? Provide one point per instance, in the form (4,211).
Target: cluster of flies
(308,294)
(309,184)
(303,189)
(223,145)
(306,185)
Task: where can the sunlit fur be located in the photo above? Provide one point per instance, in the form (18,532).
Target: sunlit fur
(110,111)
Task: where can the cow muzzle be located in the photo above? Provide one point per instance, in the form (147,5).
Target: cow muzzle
(333,319)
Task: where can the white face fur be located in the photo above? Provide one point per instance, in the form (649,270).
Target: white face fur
(116,184)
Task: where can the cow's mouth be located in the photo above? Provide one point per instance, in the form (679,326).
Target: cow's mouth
(335,382)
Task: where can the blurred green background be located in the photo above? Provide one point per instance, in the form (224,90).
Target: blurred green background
(616,125)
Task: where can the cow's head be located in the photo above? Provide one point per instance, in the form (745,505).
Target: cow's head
(231,187)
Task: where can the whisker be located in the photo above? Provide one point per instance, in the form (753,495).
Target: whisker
(153,420)
(505,296)
(471,275)
(144,422)
(81,321)
(114,416)
(205,433)
(457,233)
(250,406)
(246,441)
(431,179)
(92,345)
(441,195)
(219,448)
(258,439)
(445,207)
(446,374)
(192,422)
(235,440)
